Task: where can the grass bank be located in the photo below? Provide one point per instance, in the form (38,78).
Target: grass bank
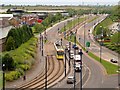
(105,23)
(24,58)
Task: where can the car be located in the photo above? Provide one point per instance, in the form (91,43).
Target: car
(71,54)
(70,80)
(77,67)
(75,47)
(67,46)
(113,60)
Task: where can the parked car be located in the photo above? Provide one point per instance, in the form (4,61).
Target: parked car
(113,60)
(70,80)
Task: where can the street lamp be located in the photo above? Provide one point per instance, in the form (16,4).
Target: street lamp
(81,53)
(42,44)
(84,35)
(46,72)
(74,60)
(65,60)
(40,41)
(101,43)
(3,68)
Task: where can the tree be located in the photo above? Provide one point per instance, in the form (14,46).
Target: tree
(115,39)
(9,62)
(10,44)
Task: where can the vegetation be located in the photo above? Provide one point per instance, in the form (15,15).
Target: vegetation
(110,68)
(17,36)
(105,25)
(19,60)
(47,22)
(1,77)
(114,39)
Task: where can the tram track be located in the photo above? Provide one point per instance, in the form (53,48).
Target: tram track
(54,71)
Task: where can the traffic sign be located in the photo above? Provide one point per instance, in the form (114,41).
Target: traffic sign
(87,44)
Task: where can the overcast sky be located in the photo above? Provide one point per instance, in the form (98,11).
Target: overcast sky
(59,2)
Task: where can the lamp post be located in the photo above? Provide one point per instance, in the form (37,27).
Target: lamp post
(69,51)
(3,68)
(81,53)
(42,44)
(40,41)
(84,35)
(74,60)
(101,44)
(46,72)
(65,60)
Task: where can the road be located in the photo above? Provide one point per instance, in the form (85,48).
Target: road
(97,77)
(93,72)
(101,80)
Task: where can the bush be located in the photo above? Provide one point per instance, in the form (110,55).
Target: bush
(13,75)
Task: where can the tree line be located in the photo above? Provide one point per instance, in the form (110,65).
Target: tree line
(17,36)
(48,21)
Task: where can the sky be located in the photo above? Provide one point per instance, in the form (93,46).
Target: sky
(60,2)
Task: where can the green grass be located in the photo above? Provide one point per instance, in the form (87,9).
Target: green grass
(1,77)
(110,68)
(105,23)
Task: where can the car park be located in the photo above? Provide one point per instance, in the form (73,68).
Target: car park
(114,60)
(70,80)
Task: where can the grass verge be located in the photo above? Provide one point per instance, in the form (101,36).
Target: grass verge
(24,58)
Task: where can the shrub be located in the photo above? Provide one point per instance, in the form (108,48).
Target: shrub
(13,75)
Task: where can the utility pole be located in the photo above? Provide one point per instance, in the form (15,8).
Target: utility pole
(84,35)
(101,44)
(46,72)
(81,53)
